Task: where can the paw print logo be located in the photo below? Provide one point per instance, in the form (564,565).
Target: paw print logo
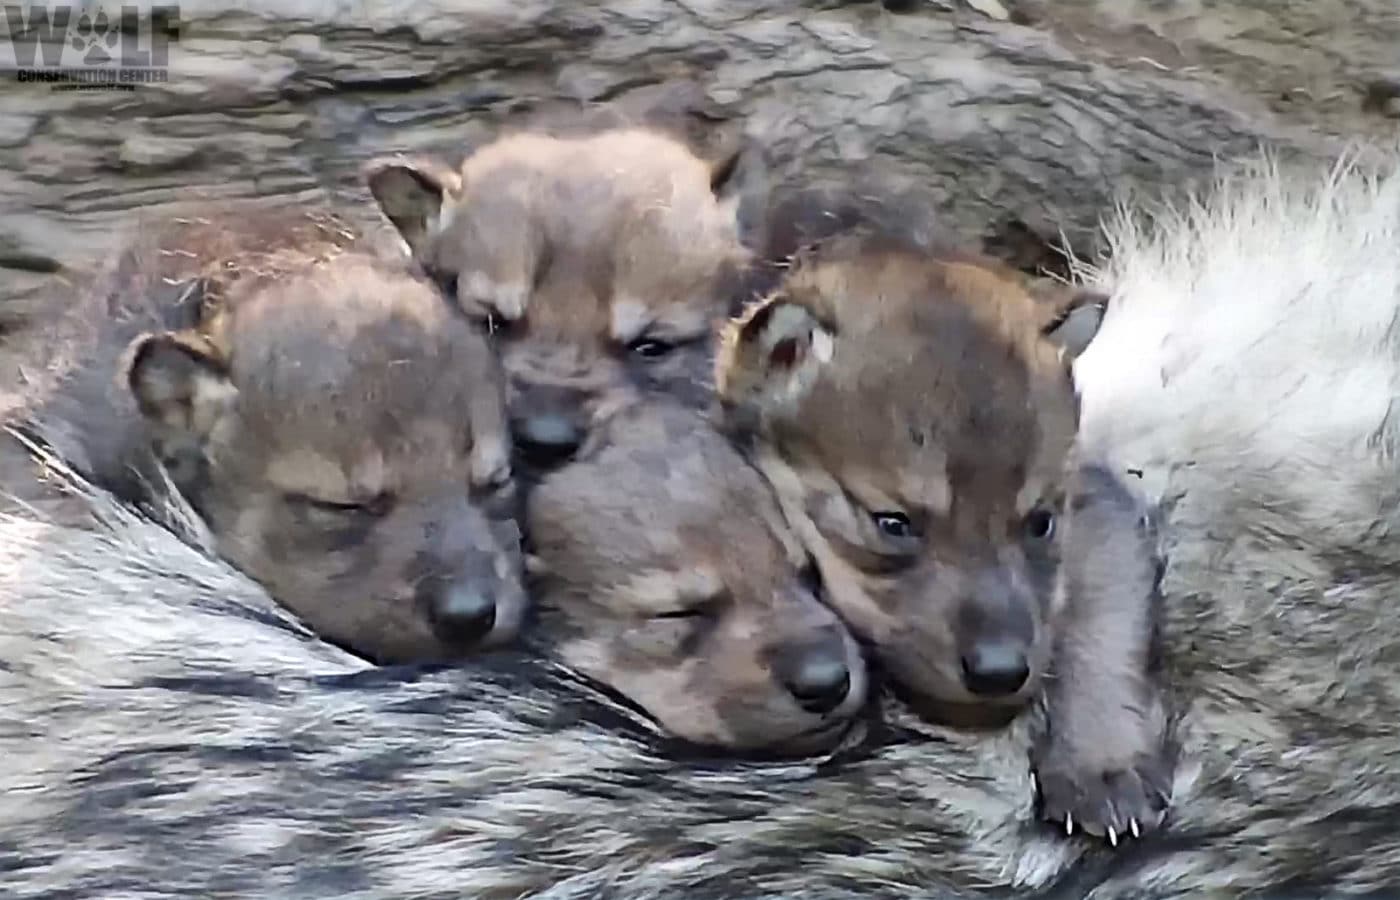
(91,33)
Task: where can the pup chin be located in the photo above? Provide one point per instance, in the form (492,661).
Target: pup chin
(959,708)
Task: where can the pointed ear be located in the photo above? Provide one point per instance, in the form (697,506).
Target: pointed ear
(179,381)
(739,178)
(768,360)
(411,194)
(1072,314)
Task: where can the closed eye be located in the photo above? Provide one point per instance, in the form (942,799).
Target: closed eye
(696,613)
(700,609)
(376,507)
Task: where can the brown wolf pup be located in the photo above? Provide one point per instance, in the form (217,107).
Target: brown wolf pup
(917,417)
(600,264)
(333,423)
(665,569)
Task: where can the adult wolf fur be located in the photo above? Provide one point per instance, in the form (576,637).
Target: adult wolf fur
(168,734)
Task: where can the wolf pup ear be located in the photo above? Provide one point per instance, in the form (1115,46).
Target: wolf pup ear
(739,178)
(410,193)
(769,358)
(1073,314)
(180,383)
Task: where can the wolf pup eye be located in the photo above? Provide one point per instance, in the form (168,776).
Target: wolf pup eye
(650,348)
(1039,524)
(698,609)
(893,524)
(682,614)
(445,281)
(375,508)
(496,325)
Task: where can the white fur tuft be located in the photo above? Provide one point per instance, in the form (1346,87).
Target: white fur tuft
(1252,340)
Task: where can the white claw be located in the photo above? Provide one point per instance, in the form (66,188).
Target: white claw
(1133,826)
(1069,824)
(1035,784)
(1112,837)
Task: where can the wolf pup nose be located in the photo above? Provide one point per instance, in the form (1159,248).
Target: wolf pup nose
(817,674)
(460,612)
(996,668)
(545,440)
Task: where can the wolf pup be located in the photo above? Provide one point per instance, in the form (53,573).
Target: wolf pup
(599,263)
(917,418)
(664,568)
(332,422)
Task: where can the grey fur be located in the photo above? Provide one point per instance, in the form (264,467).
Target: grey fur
(1105,766)
(168,732)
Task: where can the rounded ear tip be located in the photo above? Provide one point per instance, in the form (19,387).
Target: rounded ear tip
(374,170)
(139,348)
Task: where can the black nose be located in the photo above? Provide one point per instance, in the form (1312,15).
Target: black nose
(817,676)
(461,614)
(547,439)
(995,668)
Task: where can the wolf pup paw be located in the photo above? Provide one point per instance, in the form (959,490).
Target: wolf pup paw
(1104,800)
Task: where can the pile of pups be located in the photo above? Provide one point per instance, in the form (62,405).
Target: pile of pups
(517,424)
(564,419)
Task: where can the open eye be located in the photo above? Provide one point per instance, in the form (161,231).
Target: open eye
(893,524)
(494,324)
(445,281)
(487,321)
(185,465)
(1039,524)
(650,348)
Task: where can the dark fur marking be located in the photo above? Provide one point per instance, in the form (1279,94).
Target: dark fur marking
(758,322)
(249,686)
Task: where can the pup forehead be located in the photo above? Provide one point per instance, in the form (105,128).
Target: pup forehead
(628,217)
(666,479)
(646,159)
(938,378)
(571,188)
(356,348)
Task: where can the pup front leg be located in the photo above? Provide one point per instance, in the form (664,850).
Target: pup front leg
(1105,764)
